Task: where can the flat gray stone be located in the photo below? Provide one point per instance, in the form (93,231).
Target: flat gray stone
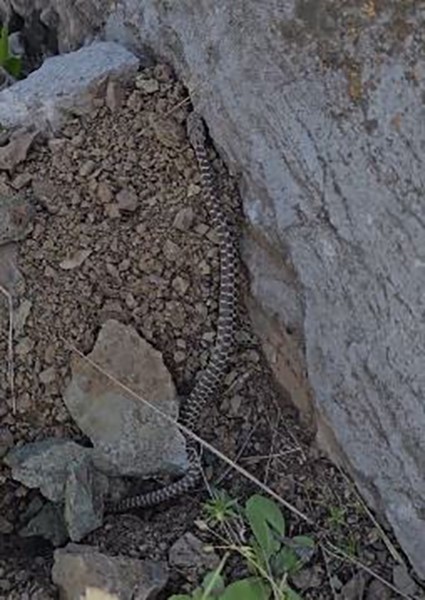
(63,83)
(128,437)
(46,465)
(78,569)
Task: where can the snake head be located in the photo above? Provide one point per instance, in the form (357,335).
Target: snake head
(195,129)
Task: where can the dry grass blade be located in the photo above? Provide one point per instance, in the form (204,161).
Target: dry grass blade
(10,358)
(339,554)
(186,100)
(193,435)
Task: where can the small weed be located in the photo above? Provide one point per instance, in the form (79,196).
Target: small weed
(351,545)
(221,508)
(10,63)
(336,518)
(270,556)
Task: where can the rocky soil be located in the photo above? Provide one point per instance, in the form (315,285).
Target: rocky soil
(119,231)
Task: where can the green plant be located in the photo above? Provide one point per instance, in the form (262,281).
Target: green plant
(220,508)
(336,518)
(270,556)
(12,64)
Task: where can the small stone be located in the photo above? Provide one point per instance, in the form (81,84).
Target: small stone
(202,229)
(48,375)
(130,301)
(179,356)
(114,95)
(45,465)
(112,211)
(193,190)
(235,404)
(204,268)
(124,265)
(309,577)
(171,250)
(25,346)
(403,581)
(49,272)
(163,73)
(180,285)
(5,525)
(21,316)
(104,193)
(147,86)
(354,588)
(189,555)
(6,440)
(48,523)
(21,180)
(75,261)
(135,102)
(208,336)
(127,200)
(184,219)
(79,570)
(87,168)
(378,591)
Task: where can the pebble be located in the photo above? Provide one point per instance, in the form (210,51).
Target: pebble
(147,86)
(184,219)
(171,250)
(127,200)
(179,356)
(193,190)
(104,193)
(114,95)
(87,168)
(24,346)
(48,375)
(112,211)
(163,73)
(180,285)
(202,229)
(403,581)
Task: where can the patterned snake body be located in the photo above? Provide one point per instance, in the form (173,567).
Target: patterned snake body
(210,380)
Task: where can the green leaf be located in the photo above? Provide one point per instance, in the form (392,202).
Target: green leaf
(291,594)
(180,597)
(286,561)
(265,518)
(252,588)
(4,45)
(13,66)
(304,546)
(213,583)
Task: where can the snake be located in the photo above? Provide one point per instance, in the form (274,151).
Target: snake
(210,380)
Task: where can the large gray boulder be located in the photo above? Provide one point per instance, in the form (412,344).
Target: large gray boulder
(319,108)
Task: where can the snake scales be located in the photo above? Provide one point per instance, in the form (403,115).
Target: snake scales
(209,380)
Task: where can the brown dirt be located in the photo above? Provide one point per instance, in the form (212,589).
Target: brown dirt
(154,266)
